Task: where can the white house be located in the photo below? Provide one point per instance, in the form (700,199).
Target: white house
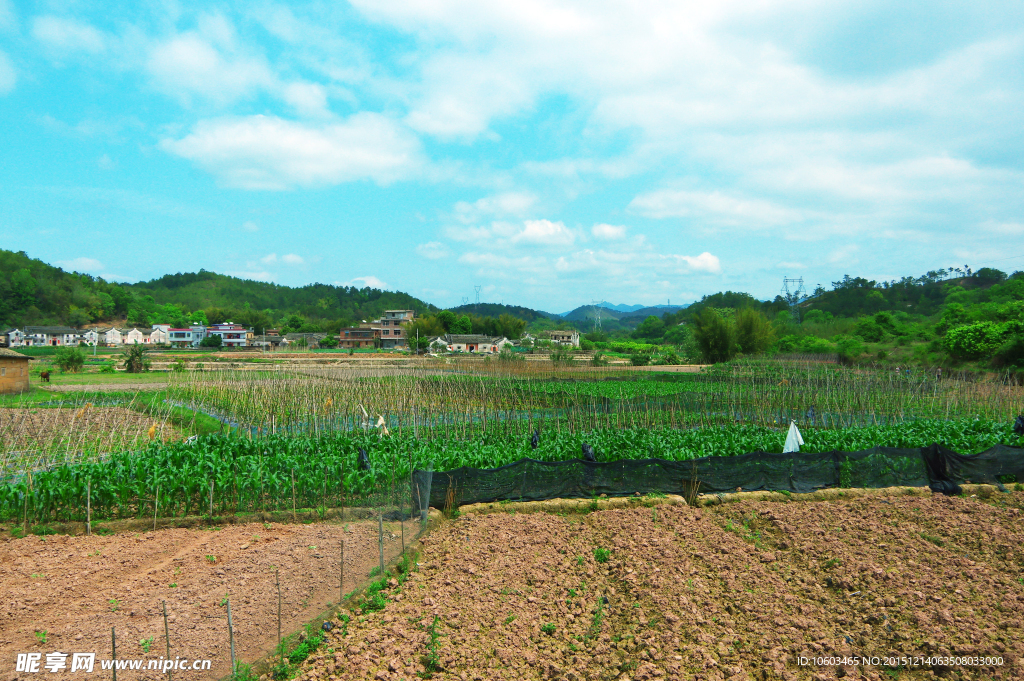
(231,335)
(112,337)
(15,338)
(186,338)
(51,335)
(132,337)
(570,337)
(472,342)
(159,335)
(93,337)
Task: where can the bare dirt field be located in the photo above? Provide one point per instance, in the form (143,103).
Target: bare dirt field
(738,591)
(64,593)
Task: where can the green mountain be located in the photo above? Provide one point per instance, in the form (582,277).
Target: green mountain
(33,292)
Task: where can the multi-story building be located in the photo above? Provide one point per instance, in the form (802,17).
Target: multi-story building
(186,338)
(391,328)
(231,335)
(357,337)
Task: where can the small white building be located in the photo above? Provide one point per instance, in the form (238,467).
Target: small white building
(93,337)
(15,338)
(159,335)
(112,337)
(133,337)
(186,338)
(472,342)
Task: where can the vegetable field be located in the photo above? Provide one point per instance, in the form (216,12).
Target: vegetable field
(292,440)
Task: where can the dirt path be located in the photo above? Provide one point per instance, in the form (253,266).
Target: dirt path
(76,588)
(737,592)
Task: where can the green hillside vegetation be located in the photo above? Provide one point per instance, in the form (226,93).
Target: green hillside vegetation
(35,293)
(952,317)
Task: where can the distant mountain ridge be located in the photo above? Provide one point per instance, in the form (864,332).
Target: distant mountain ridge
(622,307)
(588,312)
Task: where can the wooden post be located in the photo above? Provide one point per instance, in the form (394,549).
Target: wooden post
(167,636)
(341,579)
(28,492)
(231,639)
(211,498)
(277,576)
(294,517)
(380,542)
(113,652)
(88,507)
(156,505)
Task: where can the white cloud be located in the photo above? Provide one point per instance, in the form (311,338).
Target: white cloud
(715,205)
(705,262)
(515,204)
(544,232)
(844,255)
(608,232)
(791,266)
(269,259)
(66,35)
(187,65)
(8,76)
(88,265)
(266,152)
(292,259)
(364,282)
(250,226)
(105,162)
(433,250)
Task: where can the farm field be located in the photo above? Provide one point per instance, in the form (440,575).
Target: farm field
(734,591)
(70,590)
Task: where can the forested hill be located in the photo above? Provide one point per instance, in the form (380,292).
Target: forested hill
(33,292)
(496,310)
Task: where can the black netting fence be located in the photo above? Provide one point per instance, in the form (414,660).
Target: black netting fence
(532,480)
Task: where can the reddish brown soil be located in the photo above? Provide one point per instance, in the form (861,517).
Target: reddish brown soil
(65,585)
(734,592)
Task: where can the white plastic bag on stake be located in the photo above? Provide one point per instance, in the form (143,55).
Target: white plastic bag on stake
(793,439)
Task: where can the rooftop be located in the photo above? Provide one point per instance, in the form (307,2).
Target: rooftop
(11,354)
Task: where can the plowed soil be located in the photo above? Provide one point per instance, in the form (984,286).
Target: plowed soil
(737,591)
(70,590)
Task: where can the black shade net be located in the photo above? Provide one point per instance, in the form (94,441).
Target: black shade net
(532,480)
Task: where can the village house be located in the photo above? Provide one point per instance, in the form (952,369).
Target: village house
(12,338)
(231,335)
(93,337)
(357,337)
(472,342)
(269,341)
(159,334)
(13,372)
(51,335)
(391,328)
(187,337)
(570,337)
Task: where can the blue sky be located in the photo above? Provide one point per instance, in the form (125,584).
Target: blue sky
(550,152)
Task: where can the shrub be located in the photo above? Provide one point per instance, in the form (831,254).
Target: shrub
(715,337)
(69,359)
(213,341)
(754,334)
(669,357)
(599,359)
(135,360)
(869,329)
(1010,353)
(973,340)
(640,359)
(562,354)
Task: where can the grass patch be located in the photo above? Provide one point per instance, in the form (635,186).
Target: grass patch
(601,555)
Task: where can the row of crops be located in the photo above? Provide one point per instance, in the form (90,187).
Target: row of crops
(229,474)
